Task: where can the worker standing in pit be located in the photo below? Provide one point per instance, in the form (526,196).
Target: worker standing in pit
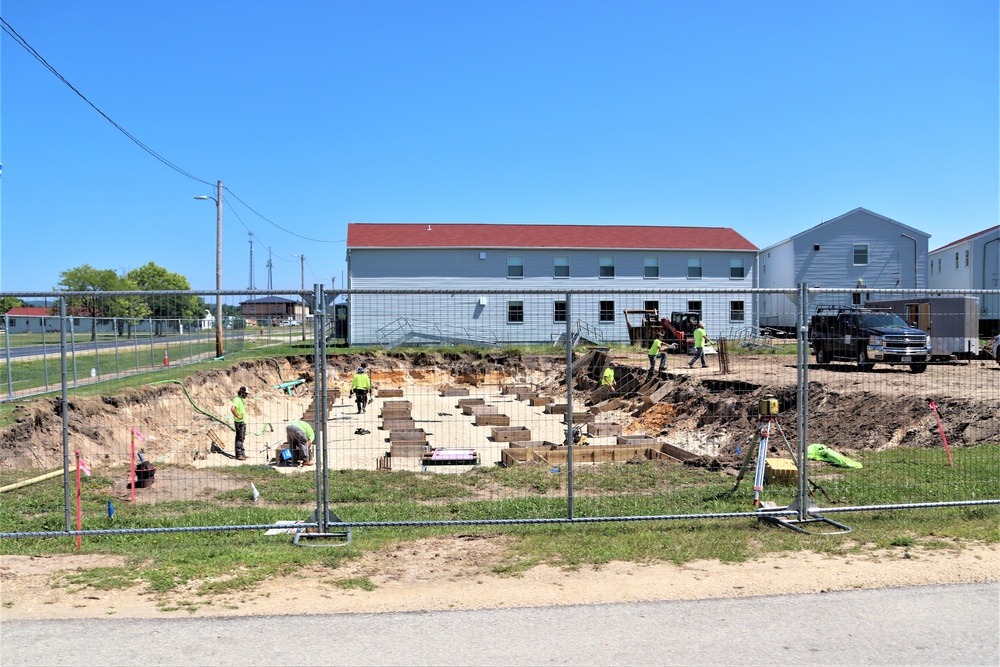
(361,386)
(239,410)
(608,378)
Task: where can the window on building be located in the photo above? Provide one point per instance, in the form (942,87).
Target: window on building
(694,307)
(956,261)
(560,266)
(860,254)
(515,312)
(651,267)
(966,258)
(559,311)
(694,267)
(515,266)
(607,267)
(736,311)
(736,270)
(607,311)
(651,305)
(856,298)
(932,266)
(939,265)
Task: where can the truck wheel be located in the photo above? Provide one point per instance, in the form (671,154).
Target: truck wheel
(864,365)
(918,368)
(822,356)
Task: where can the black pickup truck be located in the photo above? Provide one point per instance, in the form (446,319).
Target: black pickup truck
(867,336)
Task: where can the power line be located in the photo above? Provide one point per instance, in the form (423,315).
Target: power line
(7,28)
(27,47)
(270,222)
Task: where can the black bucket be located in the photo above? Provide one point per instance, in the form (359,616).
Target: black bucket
(144,475)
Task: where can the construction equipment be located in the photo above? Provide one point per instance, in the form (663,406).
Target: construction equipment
(678,331)
(768,421)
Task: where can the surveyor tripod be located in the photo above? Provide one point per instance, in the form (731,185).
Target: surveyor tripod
(768,423)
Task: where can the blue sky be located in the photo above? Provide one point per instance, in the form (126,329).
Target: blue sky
(767,117)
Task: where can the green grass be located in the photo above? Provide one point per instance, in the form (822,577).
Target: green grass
(201,566)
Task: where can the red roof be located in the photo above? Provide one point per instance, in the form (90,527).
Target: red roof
(970,236)
(625,237)
(32,311)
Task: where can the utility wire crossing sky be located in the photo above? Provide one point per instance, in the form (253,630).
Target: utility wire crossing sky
(766,118)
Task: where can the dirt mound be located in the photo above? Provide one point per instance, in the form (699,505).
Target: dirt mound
(708,414)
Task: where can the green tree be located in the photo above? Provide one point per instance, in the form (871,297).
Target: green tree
(8,302)
(129,309)
(86,278)
(154,278)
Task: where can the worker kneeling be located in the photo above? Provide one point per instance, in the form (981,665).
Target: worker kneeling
(299,436)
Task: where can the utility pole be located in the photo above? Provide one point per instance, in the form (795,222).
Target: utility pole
(251,259)
(303,257)
(218,266)
(270,265)
(301,297)
(218,271)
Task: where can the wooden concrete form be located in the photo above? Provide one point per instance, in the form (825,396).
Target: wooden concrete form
(481,410)
(389,424)
(462,402)
(518,452)
(393,392)
(510,433)
(407,449)
(587,454)
(407,435)
(678,453)
(579,418)
(455,391)
(397,405)
(515,388)
(556,409)
(601,429)
(637,439)
(525,395)
(540,400)
(492,420)
(395,414)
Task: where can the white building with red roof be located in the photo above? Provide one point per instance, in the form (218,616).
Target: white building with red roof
(519,276)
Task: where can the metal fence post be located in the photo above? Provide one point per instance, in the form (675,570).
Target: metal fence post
(569,406)
(802,398)
(72,346)
(118,366)
(6,337)
(64,408)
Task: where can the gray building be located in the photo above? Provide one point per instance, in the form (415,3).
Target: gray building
(512,264)
(860,249)
(972,262)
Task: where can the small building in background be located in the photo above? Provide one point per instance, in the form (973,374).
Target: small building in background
(859,250)
(972,262)
(273,310)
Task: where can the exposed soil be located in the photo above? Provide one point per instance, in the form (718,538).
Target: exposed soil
(447,573)
(705,412)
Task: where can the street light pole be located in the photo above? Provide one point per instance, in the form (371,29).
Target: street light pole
(218,267)
(302,298)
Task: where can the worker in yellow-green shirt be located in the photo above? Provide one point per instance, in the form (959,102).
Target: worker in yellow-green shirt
(655,350)
(700,339)
(239,410)
(361,386)
(300,436)
(608,378)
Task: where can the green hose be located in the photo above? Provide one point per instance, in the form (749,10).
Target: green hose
(267,425)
